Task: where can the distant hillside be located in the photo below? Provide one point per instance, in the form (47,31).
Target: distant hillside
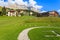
(0,8)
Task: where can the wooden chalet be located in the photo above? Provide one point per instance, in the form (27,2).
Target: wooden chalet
(49,13)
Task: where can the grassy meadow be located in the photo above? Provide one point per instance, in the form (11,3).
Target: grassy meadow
(10,27)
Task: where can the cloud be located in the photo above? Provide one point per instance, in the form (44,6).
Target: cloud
(10,2)
(38,7)
(17,3)
(33,3)
(1,3)
(59,10)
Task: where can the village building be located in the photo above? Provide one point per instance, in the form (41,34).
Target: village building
(53,13)
(11,13)
(19,13)
(47,14)
(43,14)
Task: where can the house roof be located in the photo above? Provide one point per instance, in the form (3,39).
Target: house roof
(54,11)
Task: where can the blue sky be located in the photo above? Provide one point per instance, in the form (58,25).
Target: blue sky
(48,5)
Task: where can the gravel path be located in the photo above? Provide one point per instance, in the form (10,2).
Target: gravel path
(24,34)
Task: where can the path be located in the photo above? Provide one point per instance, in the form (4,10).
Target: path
(24,34)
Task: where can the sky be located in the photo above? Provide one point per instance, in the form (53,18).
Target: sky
(45,5)
(49,5)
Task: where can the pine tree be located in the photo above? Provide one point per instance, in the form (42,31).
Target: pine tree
(3,11)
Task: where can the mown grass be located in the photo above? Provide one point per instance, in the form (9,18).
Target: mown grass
(10,27)
(40,34)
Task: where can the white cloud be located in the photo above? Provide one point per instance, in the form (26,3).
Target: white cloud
(19,2)
(38,7)
(33,3)
(11,3)
(1,3)
(59,10)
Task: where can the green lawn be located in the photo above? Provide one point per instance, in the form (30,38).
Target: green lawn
(10,27)
(44,34)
